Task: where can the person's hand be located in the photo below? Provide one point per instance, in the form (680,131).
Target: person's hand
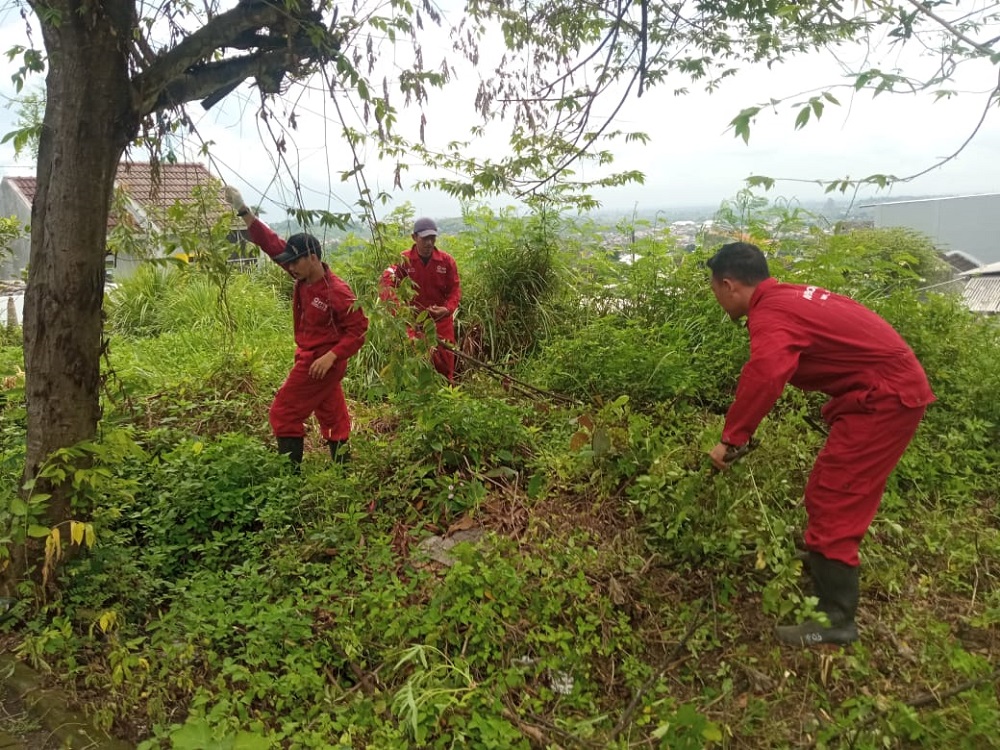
(234,198)
(321,366)
(725,455)
(438,312)
(718,456)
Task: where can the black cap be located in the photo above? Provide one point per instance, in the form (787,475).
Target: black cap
(297,246)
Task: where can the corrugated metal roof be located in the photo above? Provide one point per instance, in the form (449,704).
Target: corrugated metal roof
(982,294)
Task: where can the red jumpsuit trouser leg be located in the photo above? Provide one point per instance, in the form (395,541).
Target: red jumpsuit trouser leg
(301,395)
(868,434)
(444,360)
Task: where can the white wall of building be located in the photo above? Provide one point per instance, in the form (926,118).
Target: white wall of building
(969,224)
(12,204)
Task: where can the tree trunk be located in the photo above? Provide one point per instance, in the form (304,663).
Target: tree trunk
(88,122)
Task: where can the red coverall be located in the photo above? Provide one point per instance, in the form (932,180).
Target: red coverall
(436,283)
(820,341)
(324,319)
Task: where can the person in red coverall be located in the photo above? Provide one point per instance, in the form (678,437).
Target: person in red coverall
(438,291)
(329,328)
(820,341)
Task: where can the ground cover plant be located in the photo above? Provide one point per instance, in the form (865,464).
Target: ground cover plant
(613,591)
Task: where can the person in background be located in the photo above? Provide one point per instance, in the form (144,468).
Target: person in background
(820,341)
(329,328)
(437,289)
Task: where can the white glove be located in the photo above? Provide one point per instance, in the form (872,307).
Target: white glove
(234,198)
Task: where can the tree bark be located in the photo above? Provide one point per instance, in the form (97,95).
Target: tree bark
(88,123)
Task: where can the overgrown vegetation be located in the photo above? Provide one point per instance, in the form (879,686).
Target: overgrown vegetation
(621,594)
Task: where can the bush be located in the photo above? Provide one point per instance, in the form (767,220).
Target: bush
(204,504)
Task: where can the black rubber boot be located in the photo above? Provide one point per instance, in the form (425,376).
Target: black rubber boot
(292,447)
(837,588)
(339,451)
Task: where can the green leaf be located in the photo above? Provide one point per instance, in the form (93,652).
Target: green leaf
(18,507)
(741,123)
(803,118)
(38,532)
(760,181)
(195,735)
(535,486)
(712,733)
(601,443)
(248,741)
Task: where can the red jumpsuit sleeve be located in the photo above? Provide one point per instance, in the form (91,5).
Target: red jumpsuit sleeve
(351,320)
(264,237)
(390,280)
(774,357)
(455,293)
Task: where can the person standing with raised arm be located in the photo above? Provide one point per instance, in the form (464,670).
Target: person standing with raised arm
(329,328)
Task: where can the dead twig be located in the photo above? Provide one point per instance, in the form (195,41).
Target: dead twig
(527,389)
(921,701)
(540,724)
(629,712)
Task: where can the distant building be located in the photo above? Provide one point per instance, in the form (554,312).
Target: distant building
(11,303)
(148,196)
(968,224)
(960,262)
(982,289)
(16,194)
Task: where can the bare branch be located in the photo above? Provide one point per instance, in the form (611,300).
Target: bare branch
(951,28)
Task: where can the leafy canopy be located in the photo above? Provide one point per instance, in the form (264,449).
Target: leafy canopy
(563,73)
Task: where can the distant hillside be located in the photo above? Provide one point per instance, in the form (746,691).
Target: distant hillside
(833,208)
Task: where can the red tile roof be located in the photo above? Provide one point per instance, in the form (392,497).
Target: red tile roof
(159,188)
(154,192)
(26,186)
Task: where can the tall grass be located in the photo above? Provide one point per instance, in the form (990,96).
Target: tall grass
(515,280)
(158,299)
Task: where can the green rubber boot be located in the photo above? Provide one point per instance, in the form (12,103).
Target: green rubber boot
(837,589)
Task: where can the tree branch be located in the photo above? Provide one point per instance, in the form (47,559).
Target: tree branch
(181,73)
(982,49)
(204,80)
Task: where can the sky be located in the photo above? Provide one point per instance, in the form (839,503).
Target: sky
(692,158)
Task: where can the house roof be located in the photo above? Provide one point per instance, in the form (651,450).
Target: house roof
(25,186)
(157,188)
(153,192)
(993,269)
(960,261)
(982,294)
(937,199)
